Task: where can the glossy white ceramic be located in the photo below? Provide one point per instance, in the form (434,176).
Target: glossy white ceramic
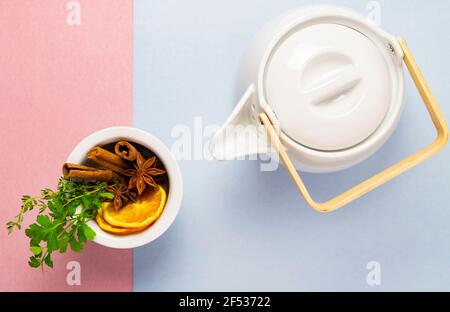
(331,82)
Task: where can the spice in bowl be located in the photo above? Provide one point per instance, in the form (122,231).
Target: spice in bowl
(122,186)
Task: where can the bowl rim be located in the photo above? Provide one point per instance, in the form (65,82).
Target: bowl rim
(175,193)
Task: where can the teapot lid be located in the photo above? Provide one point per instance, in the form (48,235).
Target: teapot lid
(329,86)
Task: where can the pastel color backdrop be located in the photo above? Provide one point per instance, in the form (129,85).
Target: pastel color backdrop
(241,229)
(58,83)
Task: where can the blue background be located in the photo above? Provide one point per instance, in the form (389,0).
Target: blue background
(242,229)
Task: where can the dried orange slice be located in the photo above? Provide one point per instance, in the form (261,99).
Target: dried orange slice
(105,226)
(147,208)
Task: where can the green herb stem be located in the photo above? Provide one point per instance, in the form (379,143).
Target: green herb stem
(59,224)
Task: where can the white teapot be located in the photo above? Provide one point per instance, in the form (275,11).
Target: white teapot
(327,85)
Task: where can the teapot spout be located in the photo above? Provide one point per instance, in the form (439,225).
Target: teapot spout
(241,135)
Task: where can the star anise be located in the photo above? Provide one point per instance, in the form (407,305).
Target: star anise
(143,173)
(122,195)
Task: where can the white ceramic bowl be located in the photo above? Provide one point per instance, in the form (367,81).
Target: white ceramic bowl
(174,197)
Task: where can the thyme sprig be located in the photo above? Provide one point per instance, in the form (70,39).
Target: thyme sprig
(62,218)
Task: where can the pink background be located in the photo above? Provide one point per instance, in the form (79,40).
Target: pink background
(59,83)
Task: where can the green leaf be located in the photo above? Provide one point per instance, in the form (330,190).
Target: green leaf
(63,243)
(75,245)
(88,232)
(35,232)
(52,242)
(59,207)
(96,203)
(36,250)
(106,195)
(51,206)
(35,240)
(48,260)
(10,226)
(91,201)
(47,193)
(56,206)
(42,207)
(87,200)
(59,222)
(72,208)
(44,221)
(34,262)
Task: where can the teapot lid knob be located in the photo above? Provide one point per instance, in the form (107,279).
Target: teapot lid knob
(329,85)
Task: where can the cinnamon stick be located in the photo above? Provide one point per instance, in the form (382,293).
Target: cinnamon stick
(75,171)
(108,160)
(126,150)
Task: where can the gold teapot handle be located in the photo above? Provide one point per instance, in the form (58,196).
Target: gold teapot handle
(388,174)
